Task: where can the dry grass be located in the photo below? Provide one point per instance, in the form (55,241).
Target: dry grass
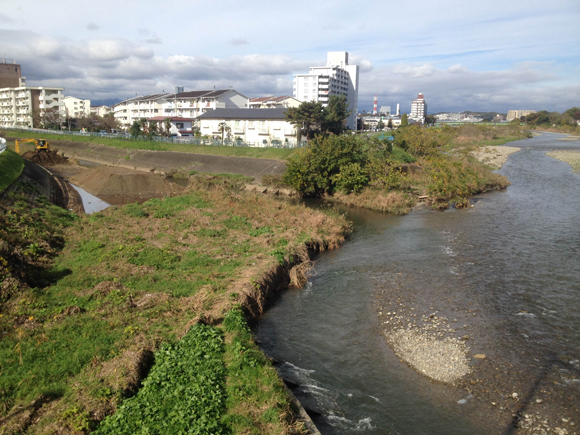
(395,202)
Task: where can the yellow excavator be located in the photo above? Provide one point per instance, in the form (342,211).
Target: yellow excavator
(41,144)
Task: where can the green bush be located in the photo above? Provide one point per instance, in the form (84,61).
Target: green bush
(313,170)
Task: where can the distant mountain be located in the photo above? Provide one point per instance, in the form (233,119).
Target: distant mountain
(105,102)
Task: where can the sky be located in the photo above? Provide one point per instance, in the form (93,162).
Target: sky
(462,55)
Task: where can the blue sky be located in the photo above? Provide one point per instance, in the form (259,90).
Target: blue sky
(491,56)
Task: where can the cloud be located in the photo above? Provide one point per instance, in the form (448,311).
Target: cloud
(92,26)
(155,40)
(414,71)
(533,85)
(238,41)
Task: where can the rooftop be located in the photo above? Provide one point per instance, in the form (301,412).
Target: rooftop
(259,114)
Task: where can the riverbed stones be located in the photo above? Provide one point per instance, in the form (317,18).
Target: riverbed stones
(441,359)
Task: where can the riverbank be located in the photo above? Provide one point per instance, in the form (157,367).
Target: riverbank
(570,157)
(95,299)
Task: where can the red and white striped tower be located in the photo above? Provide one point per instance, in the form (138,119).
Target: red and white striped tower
(375,105)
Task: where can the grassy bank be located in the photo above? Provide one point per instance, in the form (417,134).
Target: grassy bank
(11,166)
(106,298)
(420,163)
(260,153)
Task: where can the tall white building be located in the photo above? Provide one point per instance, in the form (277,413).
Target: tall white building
(336,78)
(418,108)
(77,108)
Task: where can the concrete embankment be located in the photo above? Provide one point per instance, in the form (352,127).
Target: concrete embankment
(165,161)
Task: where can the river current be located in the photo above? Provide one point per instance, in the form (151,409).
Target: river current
(505,272)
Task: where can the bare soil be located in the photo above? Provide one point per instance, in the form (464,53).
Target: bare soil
(120,186)
(45,158)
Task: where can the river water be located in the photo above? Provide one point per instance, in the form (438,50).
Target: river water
(505,272)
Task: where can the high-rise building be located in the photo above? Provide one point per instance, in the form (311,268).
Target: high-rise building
(418,108)
(336,78)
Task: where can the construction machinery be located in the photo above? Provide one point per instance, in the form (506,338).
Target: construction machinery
(41,144)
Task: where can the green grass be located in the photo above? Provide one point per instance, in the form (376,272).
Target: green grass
(11,166)
(261,153)
(184,392)
(86,306)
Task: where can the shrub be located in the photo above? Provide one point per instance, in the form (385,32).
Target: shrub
(312,171)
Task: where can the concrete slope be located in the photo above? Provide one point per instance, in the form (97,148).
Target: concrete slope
(164,161)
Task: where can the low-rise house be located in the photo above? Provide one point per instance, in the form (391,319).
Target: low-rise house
(274,102)
(265,127)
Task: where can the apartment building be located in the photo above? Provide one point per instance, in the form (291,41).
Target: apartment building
(338,77)
(418,108)
(10,75)
(76,108)
(274,102)
(517,114)
(182,104)
(264,127)
(101,110)
(20,106)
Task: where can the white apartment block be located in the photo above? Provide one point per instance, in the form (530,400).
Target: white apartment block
(260,128)
(101,110)
(182,104)
(274,102)
(336,78)
(77,108)
(418,108)
(517,114)
(17,105)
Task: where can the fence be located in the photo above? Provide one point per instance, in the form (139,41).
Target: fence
(177,140)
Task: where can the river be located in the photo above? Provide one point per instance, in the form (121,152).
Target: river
(505,274)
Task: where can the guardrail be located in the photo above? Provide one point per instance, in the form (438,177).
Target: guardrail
(275,143)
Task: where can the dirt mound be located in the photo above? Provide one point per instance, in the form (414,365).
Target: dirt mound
(44,158)
(106,182)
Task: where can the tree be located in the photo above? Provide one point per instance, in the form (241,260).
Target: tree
(335,114)
(135,129)
(167,125)
(380,125)
(430,120)
(308,117)
(390,124)
(108,122)
(223,128)
(51,118)
(404,121)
